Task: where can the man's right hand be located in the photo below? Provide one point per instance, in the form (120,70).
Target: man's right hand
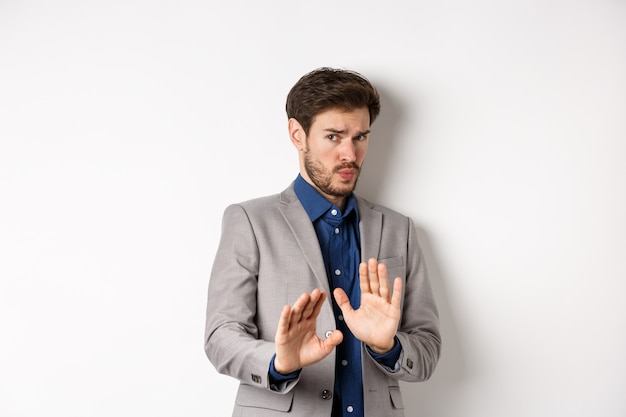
(297,344)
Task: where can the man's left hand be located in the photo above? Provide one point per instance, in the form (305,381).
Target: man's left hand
(375,322)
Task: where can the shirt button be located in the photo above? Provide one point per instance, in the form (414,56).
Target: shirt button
(336,230)
(344,362)
(327,394)
(340,317)
(333,212)
(337,272)
(328,333)
(350,409)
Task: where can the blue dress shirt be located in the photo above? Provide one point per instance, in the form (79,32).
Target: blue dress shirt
(338,235)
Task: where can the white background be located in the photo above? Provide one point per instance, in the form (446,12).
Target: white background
(126,127)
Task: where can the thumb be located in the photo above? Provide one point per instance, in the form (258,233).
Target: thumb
(342,301)
(334,339)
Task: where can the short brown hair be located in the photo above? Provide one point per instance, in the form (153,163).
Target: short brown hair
(327,88)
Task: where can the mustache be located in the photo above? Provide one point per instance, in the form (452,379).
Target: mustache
(351,165)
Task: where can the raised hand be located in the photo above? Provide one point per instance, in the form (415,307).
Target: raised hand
(376,320)
(297,344)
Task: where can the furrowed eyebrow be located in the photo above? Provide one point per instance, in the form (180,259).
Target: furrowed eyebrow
(342,131)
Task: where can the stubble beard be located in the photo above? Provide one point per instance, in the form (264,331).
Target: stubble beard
(323,178)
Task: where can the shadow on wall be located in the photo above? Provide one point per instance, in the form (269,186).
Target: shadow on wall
(435,397)
(381,147)
(426,398)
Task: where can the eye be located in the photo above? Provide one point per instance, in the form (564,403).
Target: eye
(360,138)
(332,137)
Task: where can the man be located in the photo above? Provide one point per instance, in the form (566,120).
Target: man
(363,316)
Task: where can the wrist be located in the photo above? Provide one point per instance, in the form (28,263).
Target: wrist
(382,349)
(277,380)
(278,367)
(378,350)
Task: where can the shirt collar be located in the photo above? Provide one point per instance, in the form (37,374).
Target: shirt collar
(315,204)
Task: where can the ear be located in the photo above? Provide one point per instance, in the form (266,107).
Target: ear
(296,134)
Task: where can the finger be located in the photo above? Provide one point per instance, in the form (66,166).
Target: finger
(383,281)
(298,308)
(312,303)
(397,293)
(364,281)
(318,305)
(372,267)
(283,321)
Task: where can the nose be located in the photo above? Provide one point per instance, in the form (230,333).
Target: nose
(347,151)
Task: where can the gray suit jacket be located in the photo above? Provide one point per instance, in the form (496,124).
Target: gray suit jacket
(267,257)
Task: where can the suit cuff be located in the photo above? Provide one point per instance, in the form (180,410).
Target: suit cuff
(391,359)
(278,382)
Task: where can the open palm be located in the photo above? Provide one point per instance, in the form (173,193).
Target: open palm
(297,343)
(376,320)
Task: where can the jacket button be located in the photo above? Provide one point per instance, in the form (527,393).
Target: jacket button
(327,394)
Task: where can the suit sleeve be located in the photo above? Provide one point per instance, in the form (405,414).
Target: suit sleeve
(418,331)
(232,341)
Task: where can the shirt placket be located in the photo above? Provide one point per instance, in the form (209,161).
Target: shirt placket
(349,349)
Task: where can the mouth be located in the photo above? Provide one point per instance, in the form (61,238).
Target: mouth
(347,174)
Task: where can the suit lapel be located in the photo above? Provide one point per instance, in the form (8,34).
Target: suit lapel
(370,227)
(305,235)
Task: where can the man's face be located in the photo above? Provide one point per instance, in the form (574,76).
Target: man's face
(334,151)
